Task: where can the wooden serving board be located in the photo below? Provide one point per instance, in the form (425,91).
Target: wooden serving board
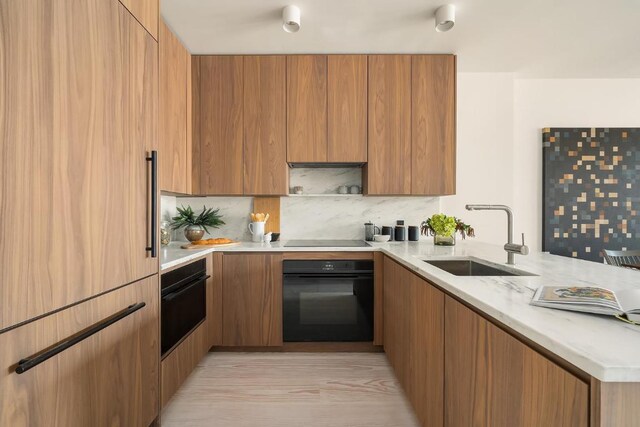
(220,245)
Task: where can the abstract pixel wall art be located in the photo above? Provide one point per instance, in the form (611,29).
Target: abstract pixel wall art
(591,191)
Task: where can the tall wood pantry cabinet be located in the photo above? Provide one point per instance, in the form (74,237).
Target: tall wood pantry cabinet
(78,120)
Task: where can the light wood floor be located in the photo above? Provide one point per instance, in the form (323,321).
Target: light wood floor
(291,390)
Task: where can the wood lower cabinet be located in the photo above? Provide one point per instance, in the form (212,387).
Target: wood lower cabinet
(174,153)
(265,138)
(414,339)
(388,171)
(493,379)
(110,378)
(77,121)
(180,363)
(307,108)
(252,299)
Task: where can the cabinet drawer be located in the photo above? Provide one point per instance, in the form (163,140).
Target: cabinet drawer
(108,378)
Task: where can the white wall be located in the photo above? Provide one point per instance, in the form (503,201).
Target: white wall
(484,152)
(544,103)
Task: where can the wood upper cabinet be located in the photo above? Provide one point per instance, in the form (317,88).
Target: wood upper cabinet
(146,12)
(264,110)
(307,108)
(219,122)
(252,299)
(414,339)
(493,379)
(79,118)
(433,125)
(174,153)
(110,378)
(347,108)
(388,170)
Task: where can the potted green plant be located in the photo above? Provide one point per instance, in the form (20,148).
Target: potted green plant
(443,228)
(196,226)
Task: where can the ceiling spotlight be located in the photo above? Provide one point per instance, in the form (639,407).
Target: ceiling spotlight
(291,19)
(445,18)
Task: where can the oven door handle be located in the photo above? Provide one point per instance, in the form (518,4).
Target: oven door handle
(184,289)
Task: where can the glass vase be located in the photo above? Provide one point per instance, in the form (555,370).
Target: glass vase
(444,240)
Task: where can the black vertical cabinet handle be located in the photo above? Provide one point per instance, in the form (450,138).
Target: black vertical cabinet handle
(25,364)
(154,204)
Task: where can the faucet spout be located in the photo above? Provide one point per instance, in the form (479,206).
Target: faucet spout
(510,247)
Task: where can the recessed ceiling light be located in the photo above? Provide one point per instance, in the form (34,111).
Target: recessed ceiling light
(291,19)
(445,18)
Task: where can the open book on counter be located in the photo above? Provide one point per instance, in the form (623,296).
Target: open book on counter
(590,299)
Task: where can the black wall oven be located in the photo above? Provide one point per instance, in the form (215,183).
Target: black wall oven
(183,303)
(328,300)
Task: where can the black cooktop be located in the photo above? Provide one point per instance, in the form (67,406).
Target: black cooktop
(326,244)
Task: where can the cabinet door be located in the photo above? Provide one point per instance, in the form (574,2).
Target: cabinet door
(433,124)
(414,326)
(77,120)
(252,299)
(347,108)
(265,143)
(219,121)
(146,12)
(388,170)
(493,379)
(307,108)
(110,378)
(173,171)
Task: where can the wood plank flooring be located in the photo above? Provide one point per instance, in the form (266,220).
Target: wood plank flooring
(291,390)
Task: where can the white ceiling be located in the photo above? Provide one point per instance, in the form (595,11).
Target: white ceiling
(533,38)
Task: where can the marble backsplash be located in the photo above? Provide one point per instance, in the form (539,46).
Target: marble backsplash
(337,217)
(312,217)
(324,181)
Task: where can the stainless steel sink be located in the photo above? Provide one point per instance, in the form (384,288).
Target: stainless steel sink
(469,267)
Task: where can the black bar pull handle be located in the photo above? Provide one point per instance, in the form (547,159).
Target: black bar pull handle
(25,364)
(184,289)
(154,204)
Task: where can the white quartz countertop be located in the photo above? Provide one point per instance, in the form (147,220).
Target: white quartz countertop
(604,347)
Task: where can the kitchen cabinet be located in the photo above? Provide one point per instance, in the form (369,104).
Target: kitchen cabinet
(433,125)
(265,142)
(146,13)
(109,378)
(307,108)
(326,108)
(347,108)
(174,172)
(82,120)
(218,120)
(252,299)
(182,360)
(412,125)
(388,169)
(494,379)
(414,339)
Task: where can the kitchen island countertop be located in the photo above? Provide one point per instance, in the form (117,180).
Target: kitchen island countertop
(601,346)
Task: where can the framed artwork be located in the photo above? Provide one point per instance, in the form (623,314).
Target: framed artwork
(591,191)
